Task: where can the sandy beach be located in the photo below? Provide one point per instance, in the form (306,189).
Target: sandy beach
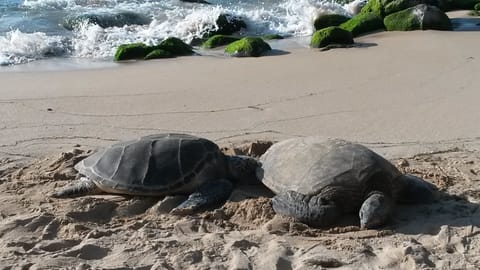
(412,97)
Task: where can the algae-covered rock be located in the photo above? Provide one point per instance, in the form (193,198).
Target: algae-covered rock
(327,20)
(105,20)
(132,51)
(176,46)
(330,35)
(420,17)
(219,40)
(386,7)
(248,46)
(272,36)
(363,23)
(158,54)
(170,47)
(373,6)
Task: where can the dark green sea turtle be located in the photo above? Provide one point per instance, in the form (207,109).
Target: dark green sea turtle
(163,164)
(317,181)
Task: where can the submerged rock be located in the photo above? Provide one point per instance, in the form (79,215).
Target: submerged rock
(248,46)
(327,20)
(420,17)
(330,35)
(363,23)
(219,40)
(170,47)
(106,20)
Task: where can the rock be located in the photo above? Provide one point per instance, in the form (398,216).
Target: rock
(459,4)
(327,20)
(363,23)
(175,46)
(247,47)
(158,54)
(132,51)
(272,36)
(330,35)
(227,24)
(171,46)
(387,7)
(219,40)
(421,17)
(106,20)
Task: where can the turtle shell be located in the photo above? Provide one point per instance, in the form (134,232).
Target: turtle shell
(310,165)
(155,165)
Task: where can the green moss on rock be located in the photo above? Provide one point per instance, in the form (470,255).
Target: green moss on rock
(158,54)
(327,20)
(171,45)
(248,46)
(420,17)
(373,6)
(330,35)
(363,23)
(219,40)
(176,46)
(132,51)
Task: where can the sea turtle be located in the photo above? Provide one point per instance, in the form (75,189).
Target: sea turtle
(164,164)
(316,181)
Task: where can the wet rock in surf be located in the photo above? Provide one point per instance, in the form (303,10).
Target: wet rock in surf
(327,20)
(248,47)
(106,20)
(421,17)
(170,47)
(330,35)
(219,40)
(226,24)
(363,23)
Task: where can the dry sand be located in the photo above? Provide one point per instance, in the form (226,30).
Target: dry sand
(412,97)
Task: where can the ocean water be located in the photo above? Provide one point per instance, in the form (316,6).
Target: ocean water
(34,29)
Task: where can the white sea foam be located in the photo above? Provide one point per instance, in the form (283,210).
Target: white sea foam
(169,18)
(17,47)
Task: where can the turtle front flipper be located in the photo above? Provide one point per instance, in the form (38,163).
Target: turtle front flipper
(311,210)
(375,210)
(207,195)
(82,187)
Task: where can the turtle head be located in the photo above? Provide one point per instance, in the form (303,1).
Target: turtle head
(242,169)
(375,210)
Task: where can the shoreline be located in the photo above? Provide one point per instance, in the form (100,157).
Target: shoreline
(461,20)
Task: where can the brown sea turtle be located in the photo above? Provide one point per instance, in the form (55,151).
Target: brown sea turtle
(316,181)
(163,164)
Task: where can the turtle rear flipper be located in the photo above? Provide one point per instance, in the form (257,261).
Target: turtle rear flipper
(207,195)
(311,210)
(82,187)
